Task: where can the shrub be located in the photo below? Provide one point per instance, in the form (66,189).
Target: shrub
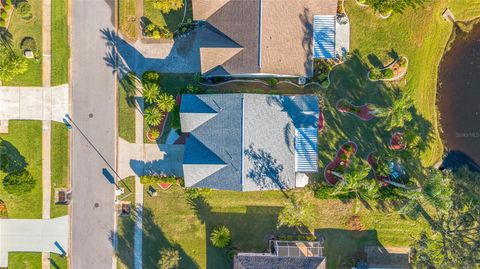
(272,82)
(28,43)
(154,133)
(193,193)
(8,5)
(166,102)
(388,73)
(19,182)
(153,116)
(3,14)
(325,84)
(402,62)
(151,77)
(192,89)
(323,191)
(165,6)
(221,237)
(155,31)
(375,73)
(152,179)
(25,10)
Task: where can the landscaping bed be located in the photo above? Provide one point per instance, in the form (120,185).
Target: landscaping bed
(391,72)
(159,24)
(364,112)
(373,163)
(334,169)
(397,141)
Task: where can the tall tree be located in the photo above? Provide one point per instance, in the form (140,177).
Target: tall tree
(455,240)
(165,6)
(169,258)
(297,213)
(11,64)
(355,183)
(398,114)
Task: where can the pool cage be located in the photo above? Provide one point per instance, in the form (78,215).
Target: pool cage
(296,248)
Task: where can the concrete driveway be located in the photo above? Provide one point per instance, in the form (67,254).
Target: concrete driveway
(32,235)
(138,159)
(34,103)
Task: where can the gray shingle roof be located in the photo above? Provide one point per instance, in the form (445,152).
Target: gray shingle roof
(277,262)
(252,134)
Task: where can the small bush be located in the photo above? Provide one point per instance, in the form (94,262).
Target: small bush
(323,192)
(402,62)
(28,43)
(154,133)
(388,73)
(3,14)
(193,193)
(221,237)
(155,31)
(25,10)
(19,182)
(192,89)
(151,77)
(272,82)
(375,73)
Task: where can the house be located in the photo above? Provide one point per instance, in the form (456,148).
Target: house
(249,142)
(284,255)
(266,38)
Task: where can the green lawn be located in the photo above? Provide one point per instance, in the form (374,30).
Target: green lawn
(126,116)
(24,260)
(170,20)
(20,28)
(169,221)
(127,18)
(59,161)
(60,44)
(58,262)
(126,227)
(24,140)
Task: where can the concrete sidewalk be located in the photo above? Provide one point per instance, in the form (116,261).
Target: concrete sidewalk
(34,103)
(32,235)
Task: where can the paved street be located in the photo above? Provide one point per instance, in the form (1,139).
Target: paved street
(93,112)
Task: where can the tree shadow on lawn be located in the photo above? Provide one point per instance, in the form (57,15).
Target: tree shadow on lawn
(251,230)
(343,247)
(11,159)
(154,240)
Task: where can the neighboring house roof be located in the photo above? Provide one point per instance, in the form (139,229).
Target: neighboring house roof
(245,142)
(275,36)
(260,261)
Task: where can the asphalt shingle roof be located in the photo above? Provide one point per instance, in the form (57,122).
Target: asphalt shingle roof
(252,134)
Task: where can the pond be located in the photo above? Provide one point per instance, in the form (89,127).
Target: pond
(459,97)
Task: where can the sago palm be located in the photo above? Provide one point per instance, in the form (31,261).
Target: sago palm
(150,92)
(166,102)
(221,237)
(153,116)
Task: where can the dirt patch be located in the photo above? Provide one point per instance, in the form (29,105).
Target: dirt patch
(354,223)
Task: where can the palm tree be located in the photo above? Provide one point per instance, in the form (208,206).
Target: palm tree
(437,189)
(354,182)
(398,114)
(153,116)
(166,102)
(169,258)
(150,92)
(221,237)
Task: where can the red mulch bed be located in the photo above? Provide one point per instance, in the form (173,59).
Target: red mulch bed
(329,176)
(164,186)
(321,121)
(364,113)
(373,163)
(396,142)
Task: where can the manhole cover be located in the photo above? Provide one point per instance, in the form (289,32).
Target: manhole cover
(96,205)
(90,115)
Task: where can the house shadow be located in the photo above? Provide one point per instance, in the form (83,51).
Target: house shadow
(153,238)
(343,248)
(180,56)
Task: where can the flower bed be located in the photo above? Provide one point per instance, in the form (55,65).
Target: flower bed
(160,128)
(397,142)
(364,112)
(340,163)
(321,121)
(391,72)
